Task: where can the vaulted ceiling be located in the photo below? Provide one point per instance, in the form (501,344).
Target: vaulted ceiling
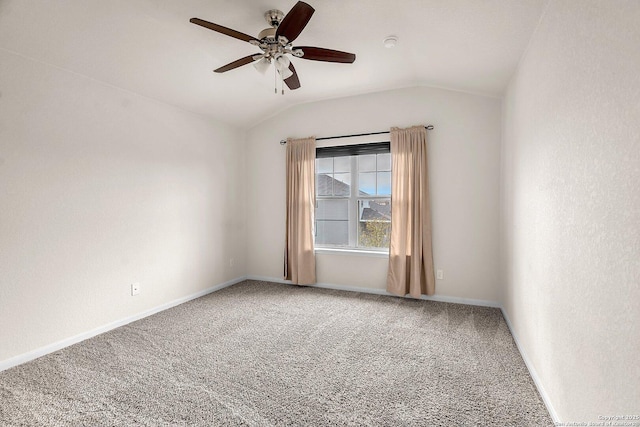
(150,48)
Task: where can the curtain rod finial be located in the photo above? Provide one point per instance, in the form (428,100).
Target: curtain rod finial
(283,142)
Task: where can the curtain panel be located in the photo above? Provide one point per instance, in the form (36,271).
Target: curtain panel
(410,252)
(299,258)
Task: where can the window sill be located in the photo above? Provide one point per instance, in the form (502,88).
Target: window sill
(356,252)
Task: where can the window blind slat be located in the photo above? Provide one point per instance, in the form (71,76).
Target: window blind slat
(353,150)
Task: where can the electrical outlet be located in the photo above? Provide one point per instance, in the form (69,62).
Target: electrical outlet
(439,274)
(135,289)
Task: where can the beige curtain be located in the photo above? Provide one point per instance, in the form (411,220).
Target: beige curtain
(299,259)
(410,255)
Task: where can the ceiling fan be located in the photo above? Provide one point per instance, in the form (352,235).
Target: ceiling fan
(276,44)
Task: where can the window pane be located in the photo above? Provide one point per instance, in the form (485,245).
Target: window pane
(332,222)
(324,184)
(374,209)
(374,223)
(367,163)
(332,209)
(342,164)
(324,165)
(342,184)
(367,183)
(384,183)
(384,162)
(332,232)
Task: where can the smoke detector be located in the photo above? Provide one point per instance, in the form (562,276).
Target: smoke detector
(390,42)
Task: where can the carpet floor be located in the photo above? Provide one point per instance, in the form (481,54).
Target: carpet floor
(266,354)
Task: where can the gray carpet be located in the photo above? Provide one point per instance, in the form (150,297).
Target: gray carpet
(262,354)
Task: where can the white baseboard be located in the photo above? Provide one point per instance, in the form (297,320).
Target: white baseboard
(532,371)
(26,357)
(440,298)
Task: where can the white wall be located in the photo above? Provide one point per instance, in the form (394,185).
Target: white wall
(100,188)
(464,152)
(571,207)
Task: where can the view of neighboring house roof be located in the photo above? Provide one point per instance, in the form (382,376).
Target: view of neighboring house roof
(376,211)
(326,185)
(373,211)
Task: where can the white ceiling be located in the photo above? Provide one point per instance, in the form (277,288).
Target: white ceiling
(149,47)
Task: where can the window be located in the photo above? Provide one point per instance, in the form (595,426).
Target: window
(353,197)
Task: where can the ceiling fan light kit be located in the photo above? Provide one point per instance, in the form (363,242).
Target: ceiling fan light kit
(276,43)
(262,65)
(282,65)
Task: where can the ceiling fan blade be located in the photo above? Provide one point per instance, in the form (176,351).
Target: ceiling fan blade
(235,64)
(295,21)
(327,55)
(292,82)
(223,30)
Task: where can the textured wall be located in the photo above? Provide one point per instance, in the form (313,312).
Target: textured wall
(571,206)
(464,162)
(100,188)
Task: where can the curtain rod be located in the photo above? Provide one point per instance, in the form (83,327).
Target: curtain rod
(283,142)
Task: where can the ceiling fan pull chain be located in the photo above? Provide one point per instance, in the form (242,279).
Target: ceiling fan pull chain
(275,80)
(282,82)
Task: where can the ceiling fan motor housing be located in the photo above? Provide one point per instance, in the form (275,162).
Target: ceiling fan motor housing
(267,33)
